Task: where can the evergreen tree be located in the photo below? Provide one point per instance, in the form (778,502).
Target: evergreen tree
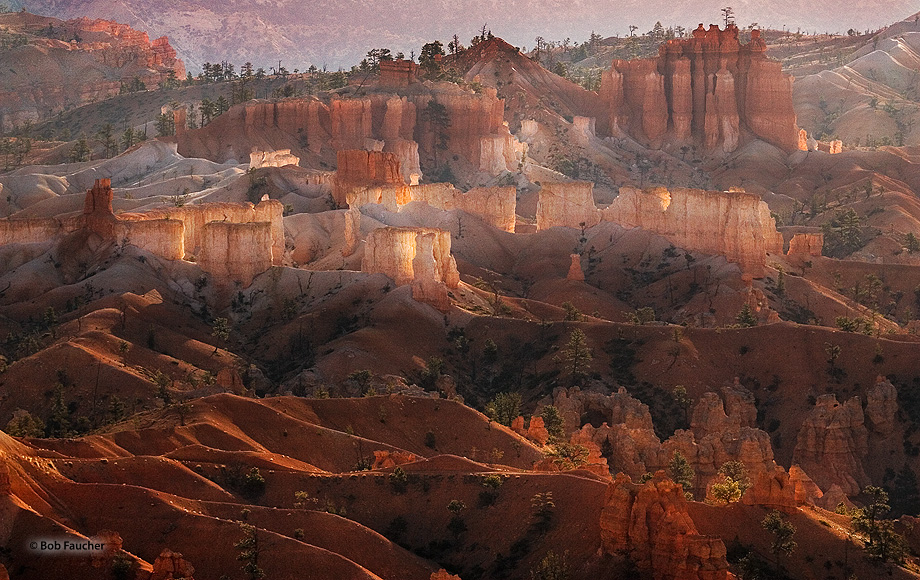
(504,408)
(576,355)
(429,59)
(80,151)
(681,473)
(782,531)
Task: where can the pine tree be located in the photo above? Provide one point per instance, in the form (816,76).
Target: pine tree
(681,473)
(576,355)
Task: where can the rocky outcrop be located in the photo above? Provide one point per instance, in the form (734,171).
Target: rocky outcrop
(650,524)
(64,65)
(832,444)
(416,256)
(708,89)
(279,158)
(882,407)
(624,425)
(733,224)
(536,431)
(398,73)
(569,204)
(5,485)
(806,245)
(494,205)
(358,168)
(443,574)
(233,241)
(780,490)
(236,251)
(386,459)
(171,565)
(575,271)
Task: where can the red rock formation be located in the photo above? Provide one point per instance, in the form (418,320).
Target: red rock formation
(417,256)
(781,490)
(4,575)
(171,565)
(708,88)
(537,431)
(806,245)
(832,444)
(442,574)
(650,524)
(803,140)
(5,485)
(736,225)
(575,272)
(882,406)
(97,209)
(53,75)
(517,425)
(357,168)
(387,459)
(398,73)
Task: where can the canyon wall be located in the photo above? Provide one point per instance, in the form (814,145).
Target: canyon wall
(736,225)
(236,251)
(733,224)
(358,168)
(707,90)
(434,126)
(494,205)
(196,217)
(569,204)
(232,241)
(419,257)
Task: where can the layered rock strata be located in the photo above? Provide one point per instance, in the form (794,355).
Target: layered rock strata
(280,158)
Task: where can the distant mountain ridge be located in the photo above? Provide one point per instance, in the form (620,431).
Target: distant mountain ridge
(339,33)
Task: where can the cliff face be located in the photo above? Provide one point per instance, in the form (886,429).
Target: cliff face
(568,204)
(708,91)
(408,127)
(736,225)
(232,241)
(733,224)
(359,168)
(650,523)
(416,256)
(280,158)
(69,64)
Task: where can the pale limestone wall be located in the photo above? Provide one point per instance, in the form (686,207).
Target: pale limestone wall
(164,237)
(569,204)
(736,225)
(236,251)
(30,231)
(279,158)
(195,217)
(417,256)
